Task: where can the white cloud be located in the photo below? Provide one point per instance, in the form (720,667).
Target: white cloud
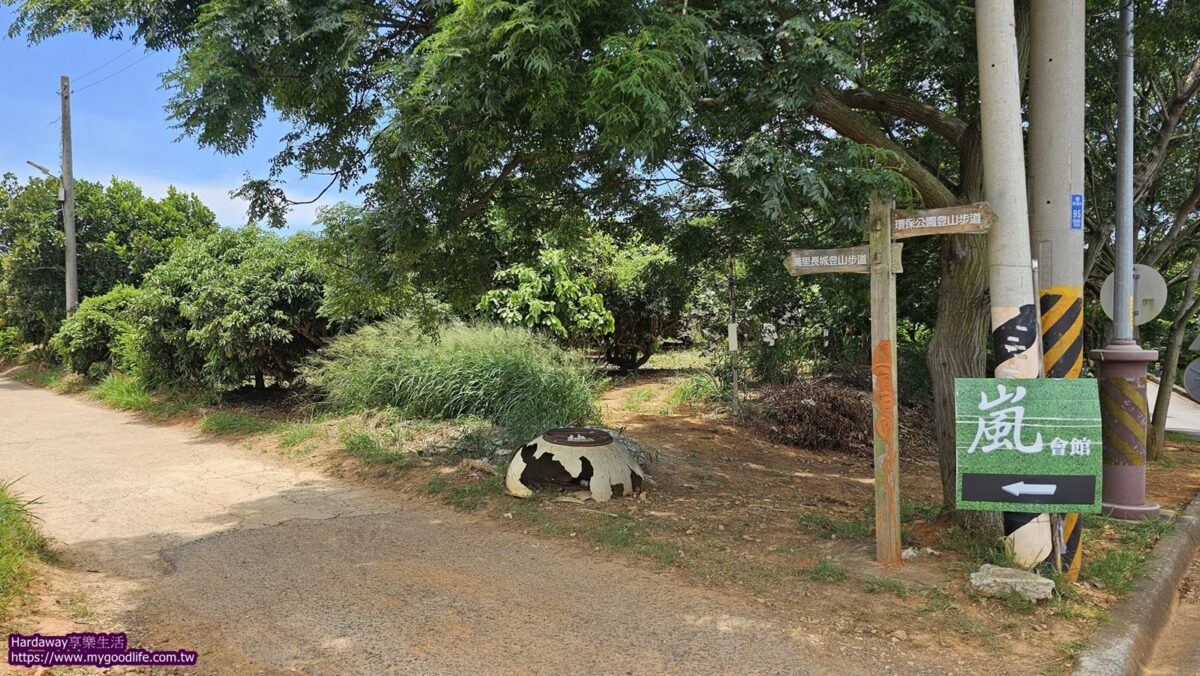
(231,211)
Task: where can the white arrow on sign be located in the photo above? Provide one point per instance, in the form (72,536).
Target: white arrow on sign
(1022,488)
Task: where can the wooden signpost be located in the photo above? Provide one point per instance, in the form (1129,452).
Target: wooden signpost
(881,259)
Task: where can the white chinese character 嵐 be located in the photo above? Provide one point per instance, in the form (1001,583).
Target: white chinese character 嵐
(1002,428)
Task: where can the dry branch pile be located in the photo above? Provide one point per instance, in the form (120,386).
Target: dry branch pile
(820,414)
(829,414)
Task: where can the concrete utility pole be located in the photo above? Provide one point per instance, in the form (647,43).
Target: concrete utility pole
(1121,366)
(68,205)
(1015,332)
(1056,107)
(1014,315)
(1056,127)
(735,403)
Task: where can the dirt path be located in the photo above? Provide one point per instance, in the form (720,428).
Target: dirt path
(267,567)
(1177,651)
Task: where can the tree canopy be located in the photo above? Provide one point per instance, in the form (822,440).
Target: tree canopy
(120,233)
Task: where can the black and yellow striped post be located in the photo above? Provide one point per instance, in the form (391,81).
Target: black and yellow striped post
(1062,341)
(1062,331)
(1124,410)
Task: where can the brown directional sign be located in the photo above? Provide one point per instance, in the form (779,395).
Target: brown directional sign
(823,261)
(967,219)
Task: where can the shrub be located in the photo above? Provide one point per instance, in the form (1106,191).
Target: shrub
(91,341)
(522,383)
(121,234)
(646,291)
(549,296)
(239,304)
(11,344)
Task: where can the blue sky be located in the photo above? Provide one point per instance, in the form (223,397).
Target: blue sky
(120,127)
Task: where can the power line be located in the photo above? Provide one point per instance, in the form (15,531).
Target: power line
(80,77)
(112,75)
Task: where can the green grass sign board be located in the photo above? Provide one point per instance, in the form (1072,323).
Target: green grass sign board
(1028,445)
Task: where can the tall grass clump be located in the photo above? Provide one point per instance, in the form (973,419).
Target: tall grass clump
(21,544)
(506,375)
(123,392)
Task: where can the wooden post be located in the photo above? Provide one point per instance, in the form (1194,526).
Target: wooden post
(883,382)
(881,259)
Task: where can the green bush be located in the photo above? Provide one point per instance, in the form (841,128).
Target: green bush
(11,344)
(646,291)
(522,383)
(92,340)
(550,296)
(236,305)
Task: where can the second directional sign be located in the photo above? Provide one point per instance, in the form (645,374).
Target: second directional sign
(1028,445)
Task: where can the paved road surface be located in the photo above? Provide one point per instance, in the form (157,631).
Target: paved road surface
(267,567)
(1182,416)
(1177,651)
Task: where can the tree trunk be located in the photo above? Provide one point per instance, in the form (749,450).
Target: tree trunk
(959,345)
(1187,309)
(1162,404)
(259,380)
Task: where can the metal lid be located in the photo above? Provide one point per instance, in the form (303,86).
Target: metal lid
(577,436)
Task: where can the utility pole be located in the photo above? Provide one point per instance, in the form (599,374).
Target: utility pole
(68,205)
(735,403)
(1121,366)
(1015,333)
(1056,128)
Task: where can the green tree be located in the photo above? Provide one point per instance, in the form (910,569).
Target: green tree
(236,305)
(1166,177)
(120,234)
(552,296)
(643,114)
(646,289)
